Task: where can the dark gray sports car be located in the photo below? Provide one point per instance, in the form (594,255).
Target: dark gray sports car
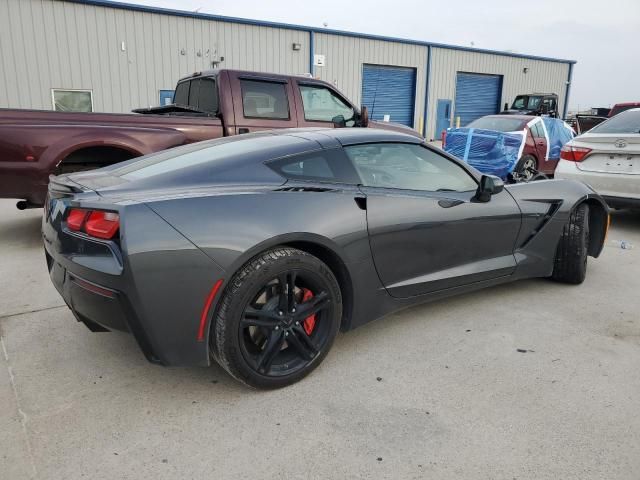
(255,250)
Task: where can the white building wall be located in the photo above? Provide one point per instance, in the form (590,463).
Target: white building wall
(47,44)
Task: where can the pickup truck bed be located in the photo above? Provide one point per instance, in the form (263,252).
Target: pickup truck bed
(212,104)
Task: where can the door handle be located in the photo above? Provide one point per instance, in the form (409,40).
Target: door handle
(242,130)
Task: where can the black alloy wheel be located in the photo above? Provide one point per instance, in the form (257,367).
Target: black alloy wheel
(278,320)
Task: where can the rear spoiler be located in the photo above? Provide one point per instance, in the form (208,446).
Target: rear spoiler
(62,184)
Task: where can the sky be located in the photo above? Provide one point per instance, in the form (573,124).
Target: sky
(601,35)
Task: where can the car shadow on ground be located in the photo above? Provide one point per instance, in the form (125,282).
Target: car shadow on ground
(626,219)
(23,229)
(123,353)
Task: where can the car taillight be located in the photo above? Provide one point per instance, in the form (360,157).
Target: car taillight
(574,154)
(444,139)
(95,223)
(75,219)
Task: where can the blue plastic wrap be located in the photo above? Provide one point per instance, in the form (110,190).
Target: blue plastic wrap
(491,152)
(559,133)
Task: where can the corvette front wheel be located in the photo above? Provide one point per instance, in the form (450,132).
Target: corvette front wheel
(277,319)
(570,265)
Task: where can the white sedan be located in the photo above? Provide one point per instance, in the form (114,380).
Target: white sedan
(607,158)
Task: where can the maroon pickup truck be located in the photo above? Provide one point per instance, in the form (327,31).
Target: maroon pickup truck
(212,104)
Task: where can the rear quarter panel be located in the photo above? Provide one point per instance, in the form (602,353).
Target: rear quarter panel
(233,228)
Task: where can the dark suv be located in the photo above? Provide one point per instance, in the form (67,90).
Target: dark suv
(534,104)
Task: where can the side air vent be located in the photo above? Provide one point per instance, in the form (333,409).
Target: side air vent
(305,189)
(553,208)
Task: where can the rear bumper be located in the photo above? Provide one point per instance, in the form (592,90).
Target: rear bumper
(100,308)
(152,282)
(618,189)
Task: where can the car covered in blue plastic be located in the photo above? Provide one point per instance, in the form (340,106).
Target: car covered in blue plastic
(513,147)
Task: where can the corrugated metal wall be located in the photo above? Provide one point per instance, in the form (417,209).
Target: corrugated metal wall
(345,56)
(48,44)
(541,76)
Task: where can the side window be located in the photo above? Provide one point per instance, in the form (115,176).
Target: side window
(537,131)
(322,105)
(262,99)
(409,167)
(181,96)
(324,166)
(550,103)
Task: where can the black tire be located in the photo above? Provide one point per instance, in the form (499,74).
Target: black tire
(524,166)
(570,264)
(243,350)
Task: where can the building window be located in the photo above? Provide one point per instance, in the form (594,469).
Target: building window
(72,100)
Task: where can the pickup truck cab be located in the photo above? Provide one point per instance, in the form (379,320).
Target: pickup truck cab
(534,104)
(207,105)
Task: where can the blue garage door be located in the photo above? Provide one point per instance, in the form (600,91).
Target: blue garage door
(389,91)
(477,95)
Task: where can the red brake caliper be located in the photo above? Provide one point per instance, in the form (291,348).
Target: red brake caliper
(309,322)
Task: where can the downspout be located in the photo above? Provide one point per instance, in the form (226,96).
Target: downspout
(426,93)
(566,95)
(311,53)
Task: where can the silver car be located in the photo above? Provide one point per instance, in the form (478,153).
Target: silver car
(607,158)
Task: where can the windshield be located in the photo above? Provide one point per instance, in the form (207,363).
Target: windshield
(526,102)
(625,122)
(499,124)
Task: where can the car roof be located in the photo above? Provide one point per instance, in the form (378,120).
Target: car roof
(517,117)
(349,136)
(626,104)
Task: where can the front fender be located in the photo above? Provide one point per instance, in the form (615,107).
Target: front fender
(546,206)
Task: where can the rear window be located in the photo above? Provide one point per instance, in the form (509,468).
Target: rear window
(194,154)
(499,124)
(625,122)
(181,97)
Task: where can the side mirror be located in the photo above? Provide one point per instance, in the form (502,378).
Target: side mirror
(364,117)
(506,106)
(544,109)
(339,121)
(489,185)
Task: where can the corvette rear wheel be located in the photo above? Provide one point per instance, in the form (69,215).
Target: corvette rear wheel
(571,255)
(277,319)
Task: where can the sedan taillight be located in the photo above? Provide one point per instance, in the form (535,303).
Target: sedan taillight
(574,154)
(95,223)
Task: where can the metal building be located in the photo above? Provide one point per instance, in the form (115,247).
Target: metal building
(106,56)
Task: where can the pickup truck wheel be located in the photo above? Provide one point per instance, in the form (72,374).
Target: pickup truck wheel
(570,265)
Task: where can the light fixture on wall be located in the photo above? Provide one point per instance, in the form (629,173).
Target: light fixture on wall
(296,46)
(525,70)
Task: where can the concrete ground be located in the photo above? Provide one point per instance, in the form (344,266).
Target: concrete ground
(533,380)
